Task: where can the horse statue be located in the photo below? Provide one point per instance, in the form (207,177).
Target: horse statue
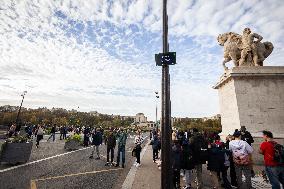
(233,43)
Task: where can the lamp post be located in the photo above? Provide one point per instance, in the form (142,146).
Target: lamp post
(166,59)
(18,126)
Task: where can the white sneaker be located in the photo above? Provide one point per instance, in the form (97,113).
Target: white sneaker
(138,165)
(135,164)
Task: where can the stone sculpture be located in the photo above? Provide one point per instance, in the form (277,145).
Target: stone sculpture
(244,50)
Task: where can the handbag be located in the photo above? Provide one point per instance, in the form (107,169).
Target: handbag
(134,152)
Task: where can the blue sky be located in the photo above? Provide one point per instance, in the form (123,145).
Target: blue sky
(99,55)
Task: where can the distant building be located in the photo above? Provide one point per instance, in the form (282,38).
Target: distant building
(215,117)
(140,118)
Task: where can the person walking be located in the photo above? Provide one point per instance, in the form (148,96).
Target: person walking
(111,143)
(241,152)
(52,133)
(96,142)
(187,163)
(61,129)
(138,141)
(121,140)
(273,160)
(39,135)
(199,146)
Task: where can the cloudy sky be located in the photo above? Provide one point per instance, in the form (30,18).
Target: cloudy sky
(99,54)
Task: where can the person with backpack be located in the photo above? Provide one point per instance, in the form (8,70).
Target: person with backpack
(200,154)
(241,152)
(273,154)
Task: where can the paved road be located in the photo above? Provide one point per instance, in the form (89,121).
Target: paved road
(72,170)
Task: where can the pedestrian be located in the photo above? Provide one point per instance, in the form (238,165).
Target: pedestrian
(200,154)
(96,142)
(121,141)
(39,135)
(218,162)
(176,163)
(86,133)
(187,163)
(65,131)
(111,143)
(155,146)
(52,133)
(233,176)
(273,154)
(138,141)
(61,129)
(241,152)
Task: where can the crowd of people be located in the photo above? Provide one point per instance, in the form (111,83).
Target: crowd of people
(192,149)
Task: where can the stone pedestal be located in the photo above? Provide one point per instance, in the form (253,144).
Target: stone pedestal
(252,97)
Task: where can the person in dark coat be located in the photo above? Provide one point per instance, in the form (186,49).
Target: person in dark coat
(187,163)
(200,156)
(218,162)
(111,143)
(52,133)
(86,136)
(155,146)
(176,163)
(97,141)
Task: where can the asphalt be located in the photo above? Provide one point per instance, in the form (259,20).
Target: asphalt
(71,170)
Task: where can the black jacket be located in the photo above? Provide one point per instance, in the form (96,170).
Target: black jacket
(111,141)
(216,159)
(176,156)
(187,162)
(199,147)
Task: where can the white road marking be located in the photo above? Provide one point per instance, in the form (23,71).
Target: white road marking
(40,160)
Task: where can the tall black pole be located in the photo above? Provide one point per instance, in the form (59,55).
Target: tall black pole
(166,172)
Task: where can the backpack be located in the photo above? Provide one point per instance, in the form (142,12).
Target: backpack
(278,153)
(240,158)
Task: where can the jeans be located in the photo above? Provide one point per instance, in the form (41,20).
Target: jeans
(53,137)
(198,169)
(275,176)
(111,151)
(155,154)
(122,150)
(97,148)
(246,170)
(187,175)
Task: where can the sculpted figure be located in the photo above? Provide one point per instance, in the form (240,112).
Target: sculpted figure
(248,47)
(243,50)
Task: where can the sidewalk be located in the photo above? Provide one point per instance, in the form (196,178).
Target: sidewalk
(148,176)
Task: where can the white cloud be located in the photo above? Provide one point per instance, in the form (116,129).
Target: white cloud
(100,55)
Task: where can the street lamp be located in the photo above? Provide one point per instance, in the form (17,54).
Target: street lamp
(166,59)
(18,126)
